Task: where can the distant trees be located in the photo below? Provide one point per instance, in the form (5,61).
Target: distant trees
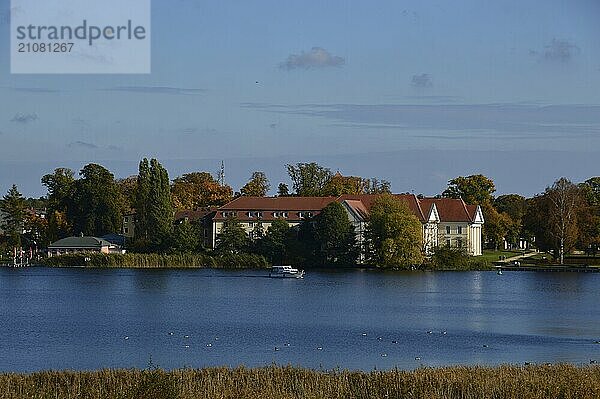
(314,180)
(14,207)
(354,185)
(393,234)
(199,189)
(258,186)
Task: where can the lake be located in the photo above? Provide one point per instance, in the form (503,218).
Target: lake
(96,318)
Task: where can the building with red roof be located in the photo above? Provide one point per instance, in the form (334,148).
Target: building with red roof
(445,221)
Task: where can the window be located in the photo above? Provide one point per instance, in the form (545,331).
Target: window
(126,219)
(126,230)
(250,224)
(448,243)
(447,229)
(459,243)
(258,214)
(275,214)
(459,230)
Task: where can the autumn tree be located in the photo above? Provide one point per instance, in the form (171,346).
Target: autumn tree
(514,206)
(393,234)
(14,207)
(198,190)
(589,226)
(128,190)
(308,179)
(258,186)
(564,200)
(354,185)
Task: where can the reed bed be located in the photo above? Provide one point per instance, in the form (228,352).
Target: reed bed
(559,381)
(148,261)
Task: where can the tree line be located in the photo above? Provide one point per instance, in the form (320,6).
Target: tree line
(564,217)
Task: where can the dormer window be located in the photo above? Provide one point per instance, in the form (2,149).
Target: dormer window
(250,214)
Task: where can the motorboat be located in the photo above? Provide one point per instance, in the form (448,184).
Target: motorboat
(285,272)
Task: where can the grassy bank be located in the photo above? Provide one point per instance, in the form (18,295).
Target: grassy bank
(529,382)
(131,260)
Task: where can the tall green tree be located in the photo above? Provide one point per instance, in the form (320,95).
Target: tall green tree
(309,179)
(335,236)
(13,206)
(142,201)
(354,185)
(393,234)
(258,186)
(97,206)
(233,238)
(159,207)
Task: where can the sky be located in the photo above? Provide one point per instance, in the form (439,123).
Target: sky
(409,91)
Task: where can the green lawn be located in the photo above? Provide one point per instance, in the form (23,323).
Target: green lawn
(493,256)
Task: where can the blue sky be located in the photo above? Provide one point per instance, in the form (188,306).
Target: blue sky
(413,92)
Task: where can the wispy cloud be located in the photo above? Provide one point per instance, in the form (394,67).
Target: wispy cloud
(519,119)
(24,118)
(557,51)
(422,81)
(32,90)
(158,90)
(83,145)
(317,57)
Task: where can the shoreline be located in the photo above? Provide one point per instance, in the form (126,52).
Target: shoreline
(270,382)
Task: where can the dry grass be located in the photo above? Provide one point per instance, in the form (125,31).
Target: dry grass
(529,382)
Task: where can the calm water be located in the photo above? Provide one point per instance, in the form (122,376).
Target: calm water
(88,319)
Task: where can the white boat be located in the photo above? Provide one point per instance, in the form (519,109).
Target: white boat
(286,272)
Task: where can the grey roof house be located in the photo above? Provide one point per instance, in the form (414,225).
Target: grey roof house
(82,244)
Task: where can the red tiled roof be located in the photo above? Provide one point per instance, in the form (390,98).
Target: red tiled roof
(449,209)
(278,203)
(193,215)
(271,208)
